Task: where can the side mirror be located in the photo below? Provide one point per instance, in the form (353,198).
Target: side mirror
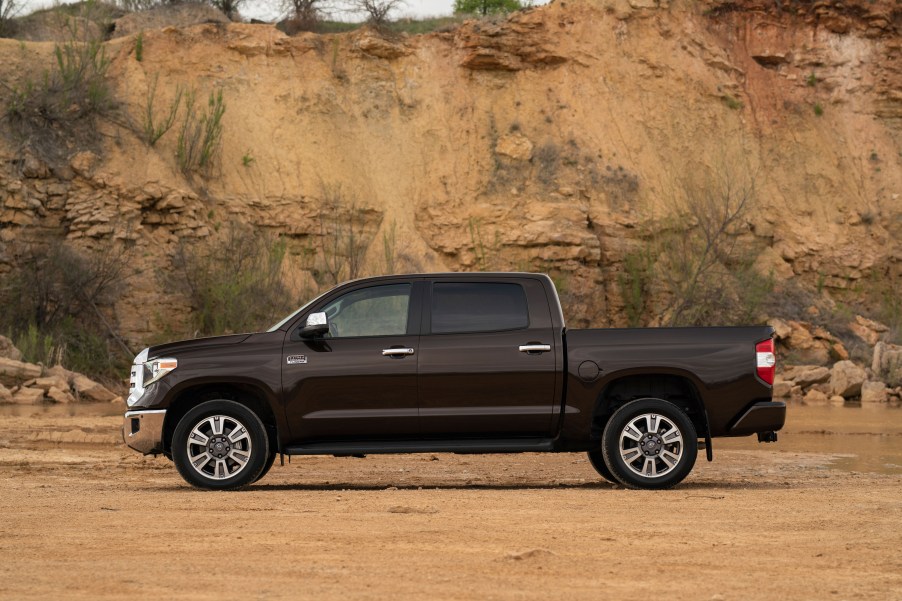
(317,325)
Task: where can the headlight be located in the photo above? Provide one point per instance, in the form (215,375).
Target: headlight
(157,368)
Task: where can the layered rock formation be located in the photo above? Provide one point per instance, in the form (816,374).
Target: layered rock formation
(555,140)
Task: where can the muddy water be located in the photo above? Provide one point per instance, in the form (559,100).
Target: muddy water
(861,438)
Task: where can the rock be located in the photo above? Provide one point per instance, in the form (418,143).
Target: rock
(8,350)
(516,146)
(846,379)
(887,363)
(372,44)
(782,389)
(815,396)
(28,396)
(6,396)
(89,390)
(62,373)
(13,372)
(837,400)
(867,329)
(809,376)
(874,392)
(60,396)
(48,382)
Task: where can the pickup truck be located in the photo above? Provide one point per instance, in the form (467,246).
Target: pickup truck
(458,363)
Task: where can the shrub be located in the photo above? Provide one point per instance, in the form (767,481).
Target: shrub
(486,7)
(200,136)
(153,131)
(52,306)
(60,107)
(232,280)
(342,240)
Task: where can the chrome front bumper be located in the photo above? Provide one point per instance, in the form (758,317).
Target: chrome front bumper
(143,430)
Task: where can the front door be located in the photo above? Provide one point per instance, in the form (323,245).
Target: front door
(360,380)
(487,360)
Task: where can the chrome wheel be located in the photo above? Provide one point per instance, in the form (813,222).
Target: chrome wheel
(651,445)
(219,447)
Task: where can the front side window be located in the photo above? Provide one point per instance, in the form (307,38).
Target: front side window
(374,311)
(478,307)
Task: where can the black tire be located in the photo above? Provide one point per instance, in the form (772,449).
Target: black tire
(596,458)
(638,458)
(267,465)
(241,437)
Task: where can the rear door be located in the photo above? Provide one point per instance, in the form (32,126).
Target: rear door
(360,380)
(486,359)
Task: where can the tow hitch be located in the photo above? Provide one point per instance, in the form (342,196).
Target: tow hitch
(767,437)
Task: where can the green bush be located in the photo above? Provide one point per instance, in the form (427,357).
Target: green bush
(232,280)
(200,136)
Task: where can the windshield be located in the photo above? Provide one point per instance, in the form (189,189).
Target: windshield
(282,323)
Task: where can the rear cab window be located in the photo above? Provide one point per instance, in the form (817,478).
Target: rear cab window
(465,307)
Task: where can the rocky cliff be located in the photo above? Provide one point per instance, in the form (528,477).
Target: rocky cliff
(558,139)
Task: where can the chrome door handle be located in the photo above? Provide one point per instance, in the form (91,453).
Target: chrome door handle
(393,352)
(535,348)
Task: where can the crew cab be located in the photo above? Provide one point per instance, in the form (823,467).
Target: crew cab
(456,362)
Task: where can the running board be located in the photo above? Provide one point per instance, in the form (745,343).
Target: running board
(532,445)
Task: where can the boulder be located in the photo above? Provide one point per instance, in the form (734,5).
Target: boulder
(52,381)
(887,363)
(61,372)
(60,396)
(807,375)
(867,329)
(874,392)
(90,391)
(815,396)
(28,396)
(8,350)
(846,379)
(782,389)
(13,372)
(6,396)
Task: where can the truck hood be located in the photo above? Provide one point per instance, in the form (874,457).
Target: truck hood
(174,348)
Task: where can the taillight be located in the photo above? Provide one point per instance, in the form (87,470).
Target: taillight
(766,360)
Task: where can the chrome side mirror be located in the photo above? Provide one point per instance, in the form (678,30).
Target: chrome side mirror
(317,325)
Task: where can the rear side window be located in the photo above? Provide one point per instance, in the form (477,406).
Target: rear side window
(478,307)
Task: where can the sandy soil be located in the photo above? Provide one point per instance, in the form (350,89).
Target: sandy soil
(83,518)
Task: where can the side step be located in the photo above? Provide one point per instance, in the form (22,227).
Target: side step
(531,445)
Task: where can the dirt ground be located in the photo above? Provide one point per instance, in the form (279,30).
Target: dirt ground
(84,518)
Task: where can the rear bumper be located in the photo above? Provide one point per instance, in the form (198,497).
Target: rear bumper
(760,417)
(143,430)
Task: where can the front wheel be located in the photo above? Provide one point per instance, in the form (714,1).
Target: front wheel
(649,443)
(220,445)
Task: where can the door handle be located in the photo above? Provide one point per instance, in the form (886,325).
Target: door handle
(395,352)
(535,348)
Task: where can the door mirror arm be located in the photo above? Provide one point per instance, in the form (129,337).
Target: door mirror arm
(317,324)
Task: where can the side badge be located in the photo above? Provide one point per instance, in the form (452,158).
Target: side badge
(295,359)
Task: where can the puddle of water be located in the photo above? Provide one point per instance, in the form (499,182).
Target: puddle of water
(863,438)
(69,410)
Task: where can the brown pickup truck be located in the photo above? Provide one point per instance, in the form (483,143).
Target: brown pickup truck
(459,363)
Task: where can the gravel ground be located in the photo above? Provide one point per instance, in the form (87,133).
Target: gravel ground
(84,518)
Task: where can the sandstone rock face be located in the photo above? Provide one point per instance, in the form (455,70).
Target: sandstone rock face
(846,379)
(13,372)
(874,392)
(867,329)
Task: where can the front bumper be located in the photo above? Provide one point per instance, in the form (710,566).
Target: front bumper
(760,417)
(143,430)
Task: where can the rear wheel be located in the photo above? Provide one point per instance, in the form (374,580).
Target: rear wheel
(649,443)
(220,445)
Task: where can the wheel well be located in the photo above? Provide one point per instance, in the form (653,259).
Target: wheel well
(191,397)
(675,389)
